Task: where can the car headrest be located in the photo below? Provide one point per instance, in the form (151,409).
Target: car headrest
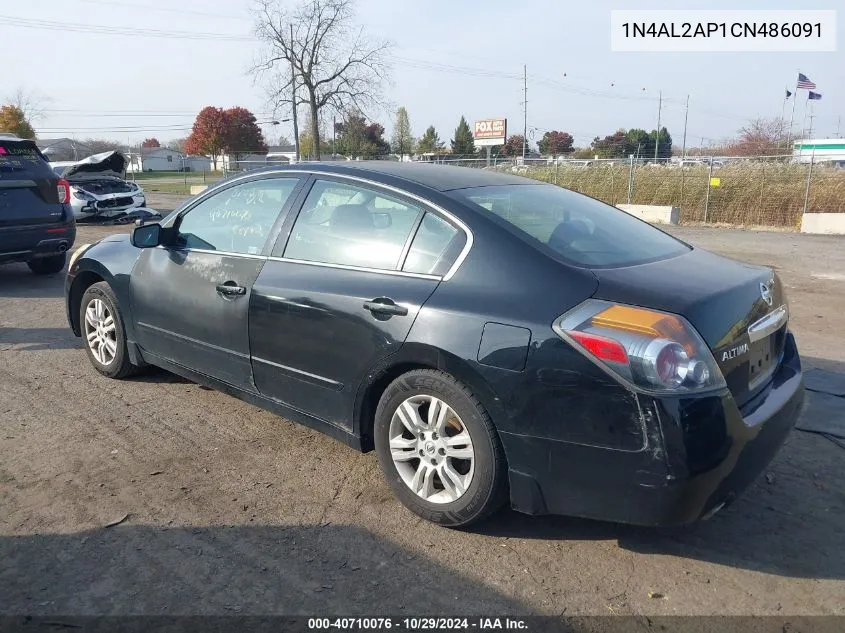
(354,217)
(567,232)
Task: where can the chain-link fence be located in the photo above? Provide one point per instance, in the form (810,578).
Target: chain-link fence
(752,191)
(767,191)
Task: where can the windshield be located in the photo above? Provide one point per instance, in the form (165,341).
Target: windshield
(582,230)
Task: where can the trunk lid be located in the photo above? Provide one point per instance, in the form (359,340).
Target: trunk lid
(722,299)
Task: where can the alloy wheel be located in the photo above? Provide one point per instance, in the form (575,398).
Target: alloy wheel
(100,331)
(431,449)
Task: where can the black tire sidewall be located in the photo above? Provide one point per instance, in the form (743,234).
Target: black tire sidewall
(48,265)
(120,365)
(482,494)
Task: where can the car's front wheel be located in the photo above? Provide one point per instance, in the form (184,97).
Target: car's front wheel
(103,333)
(48,265)
(439,450)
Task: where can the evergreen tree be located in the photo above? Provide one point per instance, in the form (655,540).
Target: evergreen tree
(430,141)
(403,140)
(463,144)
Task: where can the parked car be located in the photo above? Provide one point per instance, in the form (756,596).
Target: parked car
(36,222)
(97,187)
(491,337)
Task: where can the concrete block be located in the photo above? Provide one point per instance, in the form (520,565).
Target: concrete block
(830,223)
(653,213)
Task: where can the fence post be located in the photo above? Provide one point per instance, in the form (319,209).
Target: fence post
(630,177)
(707,198)
(809,177)
(557,165)
(762,186)
(612,192)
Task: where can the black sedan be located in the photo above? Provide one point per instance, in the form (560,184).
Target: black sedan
(491,337)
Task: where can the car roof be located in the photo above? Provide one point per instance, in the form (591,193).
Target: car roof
(433,176)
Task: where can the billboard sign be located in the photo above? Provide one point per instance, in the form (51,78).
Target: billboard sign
(490,132)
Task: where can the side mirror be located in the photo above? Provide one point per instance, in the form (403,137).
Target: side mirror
(146,236)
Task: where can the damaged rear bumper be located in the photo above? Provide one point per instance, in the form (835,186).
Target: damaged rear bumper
(703,452)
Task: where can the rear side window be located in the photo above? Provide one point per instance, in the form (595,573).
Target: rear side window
(435,248)
(23,160)
(581,230)
(352,226)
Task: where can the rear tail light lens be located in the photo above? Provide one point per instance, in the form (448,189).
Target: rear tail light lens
(655,351)
(64,191)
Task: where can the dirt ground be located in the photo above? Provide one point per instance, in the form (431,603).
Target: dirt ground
(229,509)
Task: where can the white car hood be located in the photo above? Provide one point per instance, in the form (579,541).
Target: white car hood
(106,164)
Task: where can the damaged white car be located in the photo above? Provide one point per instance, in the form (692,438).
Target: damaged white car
(98,190)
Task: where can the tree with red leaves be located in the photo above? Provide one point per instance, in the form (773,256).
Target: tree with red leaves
(209,133)
(513,146)
(217,130)
(555,143)
(242,131)
(150,143)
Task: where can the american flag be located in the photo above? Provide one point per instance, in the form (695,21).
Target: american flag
(804,82)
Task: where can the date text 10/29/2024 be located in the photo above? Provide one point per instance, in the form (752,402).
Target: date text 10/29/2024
(418,624)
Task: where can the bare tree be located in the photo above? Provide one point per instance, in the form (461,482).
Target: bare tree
(30,102)
(759,137)
(316,47)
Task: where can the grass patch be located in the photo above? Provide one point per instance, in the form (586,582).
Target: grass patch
(756,193)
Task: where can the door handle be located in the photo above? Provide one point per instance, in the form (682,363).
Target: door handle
(230,289)
(383,305)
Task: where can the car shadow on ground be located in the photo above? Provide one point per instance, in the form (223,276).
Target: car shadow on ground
(39,338)
(297,569)
(17,281)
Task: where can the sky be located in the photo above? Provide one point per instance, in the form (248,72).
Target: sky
(102,69)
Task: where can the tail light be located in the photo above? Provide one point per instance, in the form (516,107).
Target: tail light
(63,188)
(655,351)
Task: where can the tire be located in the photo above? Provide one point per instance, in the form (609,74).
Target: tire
(111,360)
(48,265)
(459,491)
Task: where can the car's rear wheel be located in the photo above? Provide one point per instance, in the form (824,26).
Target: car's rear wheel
(103,333)
(439,450)
(48,265)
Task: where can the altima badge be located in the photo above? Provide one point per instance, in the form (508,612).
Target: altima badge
(766,291)
(735,351)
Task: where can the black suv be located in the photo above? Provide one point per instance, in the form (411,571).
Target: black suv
(36,220)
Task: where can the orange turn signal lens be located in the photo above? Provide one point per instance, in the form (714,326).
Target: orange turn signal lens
(645,322)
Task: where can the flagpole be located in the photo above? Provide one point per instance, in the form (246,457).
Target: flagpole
(804,118)
(792,118)
(782,111)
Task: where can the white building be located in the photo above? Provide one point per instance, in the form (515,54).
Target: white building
(822,150)
(163,159)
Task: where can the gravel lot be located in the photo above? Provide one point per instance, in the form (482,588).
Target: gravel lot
(234,510)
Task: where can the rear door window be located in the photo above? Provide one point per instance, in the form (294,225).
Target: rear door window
(350,225)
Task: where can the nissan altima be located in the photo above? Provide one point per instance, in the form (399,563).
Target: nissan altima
(493,338)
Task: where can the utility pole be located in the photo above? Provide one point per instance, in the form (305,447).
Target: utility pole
(293,98)
(657,134)
(525,111)
(686,116)
(334,135)
(838,125)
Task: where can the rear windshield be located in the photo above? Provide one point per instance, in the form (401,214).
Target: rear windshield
(22,159)
(581,230)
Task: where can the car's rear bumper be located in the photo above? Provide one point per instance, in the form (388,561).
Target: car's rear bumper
(25,243)
(676,478)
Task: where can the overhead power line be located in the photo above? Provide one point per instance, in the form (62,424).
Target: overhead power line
(151,7)
(75,27)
